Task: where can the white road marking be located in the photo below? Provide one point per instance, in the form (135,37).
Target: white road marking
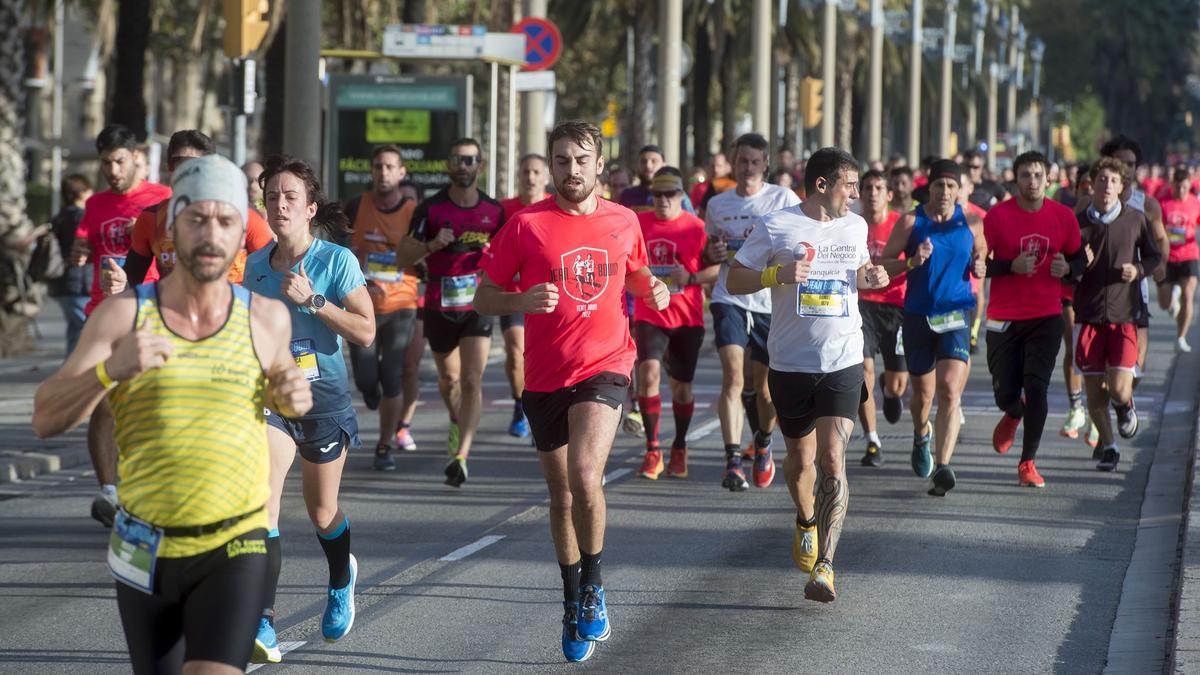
(703,430)
(284,648)
(615,474)
(467,550)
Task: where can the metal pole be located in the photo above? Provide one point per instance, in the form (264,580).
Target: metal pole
(829,73)
(1010,109)
(493,110)
(947,97)
(992,95)
(670,52)
(302,114)
(914,85)
(972,133)
(56,110)
(533,103)
(875,85)
(761,68)
(511,173)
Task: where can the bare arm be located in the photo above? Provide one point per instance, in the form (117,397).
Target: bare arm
(648,287)
(492,300)
(742,280)
(1159,231)
(288,392)
(412,250)
(896,243)
(356,323)
(980,251)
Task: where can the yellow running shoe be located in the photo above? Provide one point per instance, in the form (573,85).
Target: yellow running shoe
(804,547)
(820,583)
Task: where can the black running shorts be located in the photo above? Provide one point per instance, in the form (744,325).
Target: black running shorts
(800,398)
(547,411)
(681,346)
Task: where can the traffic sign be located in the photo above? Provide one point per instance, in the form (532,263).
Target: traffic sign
(543,42)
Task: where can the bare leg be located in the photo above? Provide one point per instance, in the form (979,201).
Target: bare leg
(800,472)
(1097,403)
(322,483)
(894,382)
(951,377)
(449,370)
(833,493)
(1073,378)
(923,387)
(562,527)
(412,372)
(592,428)
(729,407)
(514,360)
(474,352)
(766,407)
(866,410)
(1185,306)
(283,452)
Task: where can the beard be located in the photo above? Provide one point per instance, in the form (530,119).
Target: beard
(190,261)
(575,190)
(463,179)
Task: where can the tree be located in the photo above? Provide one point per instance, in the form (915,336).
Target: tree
(14,224)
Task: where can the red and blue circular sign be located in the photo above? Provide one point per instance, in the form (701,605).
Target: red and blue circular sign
(543,42)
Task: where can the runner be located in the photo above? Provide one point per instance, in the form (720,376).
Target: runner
(1177,291)
(742,321)
(1107,303)
(534,176)
(882,313)
(807,256)
(579,355)
(380,217)
(1032,241)
(943,246)
(720,180)
(188,562)
(986,192)
(900,183)
(1077,416)
(449,232)
(411,382)
(327,300)
(638,197)
(967,188)
(103,238)
(253,190)
(73,289)
(675,247)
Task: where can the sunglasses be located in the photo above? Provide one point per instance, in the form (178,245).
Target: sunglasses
(465,160)
(665,195)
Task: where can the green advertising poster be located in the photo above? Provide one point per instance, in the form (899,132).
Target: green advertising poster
(398,126)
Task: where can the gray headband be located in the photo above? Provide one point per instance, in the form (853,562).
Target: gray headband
(207,178)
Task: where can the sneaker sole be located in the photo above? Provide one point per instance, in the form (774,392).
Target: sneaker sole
(732,486)
(264,654)
(1030,484)
(1072,434)
(599,638)
(353,582)
(591,649)
(1137,425)
(920,455)
(819,592)
(677,474)
(650,476)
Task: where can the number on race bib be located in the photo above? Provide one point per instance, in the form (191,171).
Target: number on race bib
(459,292)
(823,298)
(305,353)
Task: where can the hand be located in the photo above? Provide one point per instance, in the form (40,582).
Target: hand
(1129,273)
(81,250)
(1059,267)
(112,278)
(680,275)
(979,267)
(877,276)
(794,272)
(660,295)
(1025,263)
(716,251)
(288,392)
(444,238)
(924,251)
(297,287)
(1091,257)
(137,352)
(540,299)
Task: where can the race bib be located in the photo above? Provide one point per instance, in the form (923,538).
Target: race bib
(947,322)
(732,246)
(823,298)
(900,341)
(305,353)
(663,272)
(459,292)
(1177,235)
(382,267)
(133,551)
(997,326)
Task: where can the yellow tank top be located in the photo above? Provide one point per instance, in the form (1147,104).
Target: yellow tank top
(191,435)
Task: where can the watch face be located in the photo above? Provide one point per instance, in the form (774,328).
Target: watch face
(318,301)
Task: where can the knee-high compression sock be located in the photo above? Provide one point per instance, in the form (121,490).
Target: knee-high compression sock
(336,545)
(570,578)
(683,419)
(274,565)
(750,403)
(590,569)
(1037,408)
(651,412)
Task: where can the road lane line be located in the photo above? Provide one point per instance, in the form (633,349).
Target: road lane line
(467,550)
(703,430)
(284,648)
(615,474)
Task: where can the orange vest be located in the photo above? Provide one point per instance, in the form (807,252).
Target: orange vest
(375,239)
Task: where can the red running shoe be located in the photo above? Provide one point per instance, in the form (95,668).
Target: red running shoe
(1028,476)
(677,467)
(1006,431)
(652,466)
(764,467)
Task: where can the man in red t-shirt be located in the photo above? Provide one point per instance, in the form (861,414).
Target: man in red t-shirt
(588,252)
(533,178)
(103,238)
(882,313)
(1033,242)
(1177,290)
(675,243)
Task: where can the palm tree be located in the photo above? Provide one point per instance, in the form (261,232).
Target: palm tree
(14,224)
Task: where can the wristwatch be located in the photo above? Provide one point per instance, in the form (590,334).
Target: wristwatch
(317,301)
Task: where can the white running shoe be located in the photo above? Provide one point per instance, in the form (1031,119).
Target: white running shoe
(1181,345)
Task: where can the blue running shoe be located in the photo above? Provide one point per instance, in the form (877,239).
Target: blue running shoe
(339,609)
(574,649)
(266,646)
(593,615)
(922,458)
(519,427)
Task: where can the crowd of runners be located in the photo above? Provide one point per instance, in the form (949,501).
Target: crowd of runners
(199,399)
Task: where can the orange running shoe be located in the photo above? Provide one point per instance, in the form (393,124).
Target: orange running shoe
(652,466)
(677,467)
(1006,431)
(1028,476)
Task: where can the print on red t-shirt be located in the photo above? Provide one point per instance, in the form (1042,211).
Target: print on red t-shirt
(107,224)
(1180,217)
(1011,231)
(669,242)
(877,238)
(587,258)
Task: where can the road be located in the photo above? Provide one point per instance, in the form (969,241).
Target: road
(992,577)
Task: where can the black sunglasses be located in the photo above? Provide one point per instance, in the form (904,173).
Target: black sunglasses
(665,195)
(465,160)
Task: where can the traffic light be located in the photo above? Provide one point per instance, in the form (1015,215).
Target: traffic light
(245,26)
(810,101)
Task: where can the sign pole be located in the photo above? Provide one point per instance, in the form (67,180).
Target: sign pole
(493,108)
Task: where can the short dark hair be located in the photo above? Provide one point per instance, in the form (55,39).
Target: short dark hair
(116,137)
(652,148)
(580,131)
(73,186)
(755,141)
(390,147)
(872,175)
(190,138)
(901,171)
(1180,174)
(532,156)
(459,142)
(828,163)
(1122,142)
(667,171)
(1031,157)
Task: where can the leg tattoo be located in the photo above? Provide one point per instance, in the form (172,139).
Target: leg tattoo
(833,495)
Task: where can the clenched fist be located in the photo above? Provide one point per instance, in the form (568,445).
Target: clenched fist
(1059,267)
(660,295)
(297,287)
(444,238)
(288,392)
(540,299)
(138,352)
(1129,273)
(113,279)
(876,276)
(794,272)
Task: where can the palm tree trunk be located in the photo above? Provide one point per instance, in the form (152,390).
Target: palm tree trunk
(14,224)
(133,34)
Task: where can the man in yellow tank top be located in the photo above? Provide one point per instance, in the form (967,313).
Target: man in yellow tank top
(187,364)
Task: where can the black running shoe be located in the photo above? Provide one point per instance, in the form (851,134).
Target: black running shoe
(734,479)
(456,472)
(893,408)
(1127,420)
(873,457)
(383,458)
(943,481)
(1110,460)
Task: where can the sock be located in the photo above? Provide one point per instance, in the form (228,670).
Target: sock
(873,437)
(750,403)
(683,419)
(570,578)
(336,545)
(518,409)
(1122,408)
(807,524)
(651,411)
(405,425)
(761,440)
(733,453)
(109,489)
(589,574)
(1076,399)
(274,563)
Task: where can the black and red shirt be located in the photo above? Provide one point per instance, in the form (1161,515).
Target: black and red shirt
(453,270)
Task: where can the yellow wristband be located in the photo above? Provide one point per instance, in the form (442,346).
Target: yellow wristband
(102,375)
(770,276)
(909,263)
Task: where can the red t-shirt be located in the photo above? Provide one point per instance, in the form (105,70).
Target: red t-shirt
(513,204)
(877,239)
(1009,231)
(587,258)
(106,224)
(1180,217)
(668,242)
(976,282)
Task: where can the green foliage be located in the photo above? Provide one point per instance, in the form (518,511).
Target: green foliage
(1087,120)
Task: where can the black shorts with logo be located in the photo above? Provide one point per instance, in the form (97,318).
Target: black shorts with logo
(547,410)
(800,398)
(445,329)
(681,346)
(881,324)
(1178,272)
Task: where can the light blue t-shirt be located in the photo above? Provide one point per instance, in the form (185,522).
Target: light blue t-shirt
(334,273)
